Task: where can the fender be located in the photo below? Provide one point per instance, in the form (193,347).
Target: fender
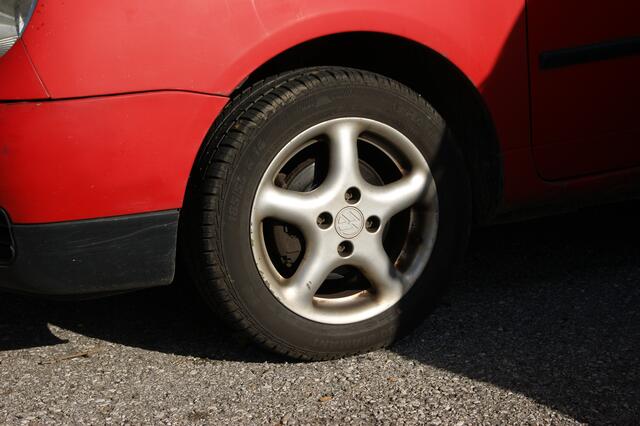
(210,46)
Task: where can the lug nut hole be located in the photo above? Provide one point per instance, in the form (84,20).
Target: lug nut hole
(352,195)
(345,248)
(372,224)
(324,220)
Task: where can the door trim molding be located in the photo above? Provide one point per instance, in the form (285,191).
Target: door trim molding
(590,53)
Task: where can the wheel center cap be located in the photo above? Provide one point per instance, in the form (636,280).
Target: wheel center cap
(349,222)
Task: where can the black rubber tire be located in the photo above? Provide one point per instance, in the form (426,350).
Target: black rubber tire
(252,129)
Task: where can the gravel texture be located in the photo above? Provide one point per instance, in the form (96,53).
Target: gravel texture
(542,326)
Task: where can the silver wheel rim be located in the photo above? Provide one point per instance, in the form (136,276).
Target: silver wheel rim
(353,240)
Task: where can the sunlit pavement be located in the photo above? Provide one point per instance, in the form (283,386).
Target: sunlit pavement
(541,326)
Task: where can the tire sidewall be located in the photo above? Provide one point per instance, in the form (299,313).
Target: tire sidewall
(394,106)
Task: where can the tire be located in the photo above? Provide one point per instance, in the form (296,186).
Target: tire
(224,198)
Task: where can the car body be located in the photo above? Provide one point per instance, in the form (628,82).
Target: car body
(105,106)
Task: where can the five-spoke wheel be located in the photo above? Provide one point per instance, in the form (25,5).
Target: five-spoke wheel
(326,211)
(343,219)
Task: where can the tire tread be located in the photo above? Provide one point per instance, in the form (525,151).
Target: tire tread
(231,134)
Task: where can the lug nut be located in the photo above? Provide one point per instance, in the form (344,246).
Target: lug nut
(324,220)
(372,224)
(352,195)
(345,249)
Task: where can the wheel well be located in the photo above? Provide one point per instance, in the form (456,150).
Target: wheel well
(428,73)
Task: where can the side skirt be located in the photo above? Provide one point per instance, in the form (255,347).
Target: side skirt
(94,256)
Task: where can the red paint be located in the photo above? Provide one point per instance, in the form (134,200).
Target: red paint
(211,45)
(125,45)
(108,156)
(18,79)
(584,117)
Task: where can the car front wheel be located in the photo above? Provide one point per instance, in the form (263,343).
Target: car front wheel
(327,209)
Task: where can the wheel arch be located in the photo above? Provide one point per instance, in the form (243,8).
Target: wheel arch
(427,72)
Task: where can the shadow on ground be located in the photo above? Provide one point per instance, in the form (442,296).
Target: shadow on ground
(168,319)
(547,308)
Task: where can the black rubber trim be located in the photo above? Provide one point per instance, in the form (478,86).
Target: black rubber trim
(590,53)
(93,256)
(7,245)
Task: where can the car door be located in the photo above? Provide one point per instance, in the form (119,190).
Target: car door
(585,86)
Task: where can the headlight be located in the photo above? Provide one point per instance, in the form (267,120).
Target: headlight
(14,17)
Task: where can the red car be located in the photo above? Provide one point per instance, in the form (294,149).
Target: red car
(316,165)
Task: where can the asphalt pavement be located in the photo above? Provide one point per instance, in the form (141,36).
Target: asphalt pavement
(541,326)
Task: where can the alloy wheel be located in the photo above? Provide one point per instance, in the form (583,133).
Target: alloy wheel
(344,220)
